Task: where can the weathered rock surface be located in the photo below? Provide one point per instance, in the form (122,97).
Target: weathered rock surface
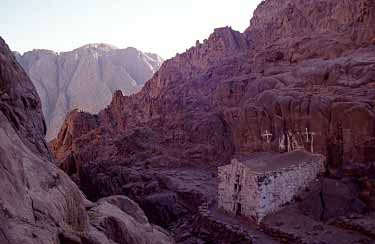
(300,64)
(85,78)
(38,202)
(124,222)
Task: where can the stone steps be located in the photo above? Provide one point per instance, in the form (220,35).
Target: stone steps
(362,224)
(291,226)
(228,229)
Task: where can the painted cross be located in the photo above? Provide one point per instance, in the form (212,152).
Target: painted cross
(267,135)
(312,134)
(306,133)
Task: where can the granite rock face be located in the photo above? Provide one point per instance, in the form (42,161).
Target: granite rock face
(85,78)
(20,103)
(38,202)
(300,65)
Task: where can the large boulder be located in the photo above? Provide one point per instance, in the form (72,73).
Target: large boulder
(125,227)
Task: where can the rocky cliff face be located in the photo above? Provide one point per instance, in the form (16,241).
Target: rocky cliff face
(321,79)
(303,70)
(295,20)
(85,78)
(38,202)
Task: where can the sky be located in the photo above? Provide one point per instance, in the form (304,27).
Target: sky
(165,27)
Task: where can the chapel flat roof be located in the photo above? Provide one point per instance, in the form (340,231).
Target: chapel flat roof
(263,162)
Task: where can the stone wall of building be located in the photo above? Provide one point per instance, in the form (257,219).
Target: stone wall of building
(226,183)
(245,192)
(279,187)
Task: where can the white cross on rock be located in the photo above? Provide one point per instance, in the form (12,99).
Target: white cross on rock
(267,135)
(306,133)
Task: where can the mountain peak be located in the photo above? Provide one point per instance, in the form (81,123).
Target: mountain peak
(228,37)
(101,46)
(94,80)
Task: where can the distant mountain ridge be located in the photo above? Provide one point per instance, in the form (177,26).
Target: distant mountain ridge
(85,78)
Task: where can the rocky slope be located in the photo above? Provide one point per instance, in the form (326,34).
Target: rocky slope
(85,78)
(38,202)
(300,65)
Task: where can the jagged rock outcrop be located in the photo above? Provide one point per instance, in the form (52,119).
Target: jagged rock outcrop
(38,202)
(85,78)
(300,65)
